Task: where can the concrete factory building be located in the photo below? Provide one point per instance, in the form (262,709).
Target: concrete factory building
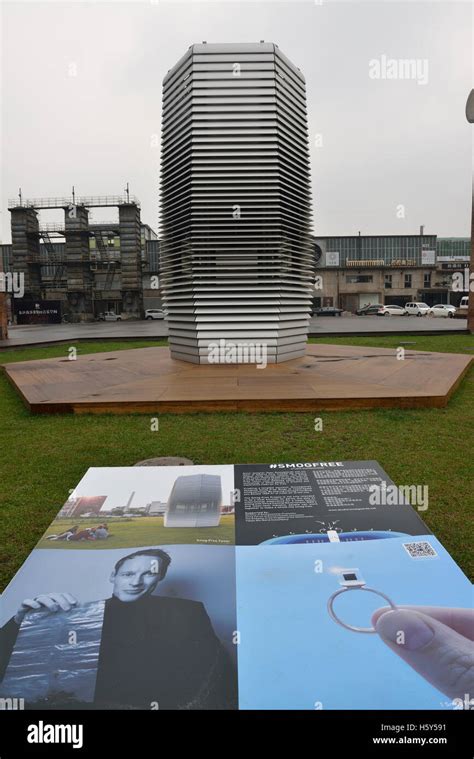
(88,267)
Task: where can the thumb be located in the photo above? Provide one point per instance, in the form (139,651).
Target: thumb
(440,654)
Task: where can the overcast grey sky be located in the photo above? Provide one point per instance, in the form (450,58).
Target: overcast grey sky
(82,102)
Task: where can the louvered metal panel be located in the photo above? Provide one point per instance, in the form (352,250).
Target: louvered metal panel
(236,255)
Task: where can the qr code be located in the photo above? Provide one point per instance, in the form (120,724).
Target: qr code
(420,550)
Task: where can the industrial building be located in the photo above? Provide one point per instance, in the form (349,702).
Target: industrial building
(156,508)
(84,267)
(236,253)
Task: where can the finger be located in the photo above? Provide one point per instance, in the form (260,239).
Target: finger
(61,600)
(30,603)
(460,620)
(72,600)
(47,601)
(436,651)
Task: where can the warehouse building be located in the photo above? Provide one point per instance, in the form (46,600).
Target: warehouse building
(390,269)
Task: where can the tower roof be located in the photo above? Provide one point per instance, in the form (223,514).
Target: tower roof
(231,48)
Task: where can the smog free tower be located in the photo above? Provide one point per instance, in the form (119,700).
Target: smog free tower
(237,262)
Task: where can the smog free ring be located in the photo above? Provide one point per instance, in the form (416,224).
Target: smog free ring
(339,621)
(351,579)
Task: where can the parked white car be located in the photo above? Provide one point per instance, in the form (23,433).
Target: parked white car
(154,313)
(391,310)
(417,309)
(109,316)
(442,310)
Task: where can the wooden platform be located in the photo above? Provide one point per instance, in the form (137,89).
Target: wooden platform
(328,377)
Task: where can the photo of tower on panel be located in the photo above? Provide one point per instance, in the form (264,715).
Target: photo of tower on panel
(195,501)
(237,261)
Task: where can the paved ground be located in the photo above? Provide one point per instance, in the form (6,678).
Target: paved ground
(354,325)
(321,325)
(52,333)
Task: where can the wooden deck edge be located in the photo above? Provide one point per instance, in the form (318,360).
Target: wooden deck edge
(256,405)
(6,373)
(247,405)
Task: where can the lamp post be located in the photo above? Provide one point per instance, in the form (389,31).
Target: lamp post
(470,312)
(3,308)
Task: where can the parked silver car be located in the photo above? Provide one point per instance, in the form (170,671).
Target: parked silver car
(392,310)
(154,313)
(442,310)
(109,316)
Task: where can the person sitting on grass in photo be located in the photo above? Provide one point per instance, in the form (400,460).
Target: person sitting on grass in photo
(66,535)
(101,532)
(85,534)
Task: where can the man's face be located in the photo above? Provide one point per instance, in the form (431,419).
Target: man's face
(135,578)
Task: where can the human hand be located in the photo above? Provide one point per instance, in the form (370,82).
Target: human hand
(436,641)
(51,602)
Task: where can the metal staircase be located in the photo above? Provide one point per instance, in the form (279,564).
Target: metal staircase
(49,247)
(53,258)
(110,274)
(100,243)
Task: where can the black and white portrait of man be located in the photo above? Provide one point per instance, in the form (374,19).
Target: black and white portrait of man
(153,651)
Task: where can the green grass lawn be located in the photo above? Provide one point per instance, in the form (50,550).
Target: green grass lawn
(142,531)
(43,457)
(54,351)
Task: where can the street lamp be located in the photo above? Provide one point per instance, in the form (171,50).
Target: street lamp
(470,312)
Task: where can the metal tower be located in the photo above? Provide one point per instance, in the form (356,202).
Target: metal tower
(237,261)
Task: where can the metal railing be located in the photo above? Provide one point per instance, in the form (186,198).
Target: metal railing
(60,226)
(46,258)
(51,227)
(104,224)
(98,201)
